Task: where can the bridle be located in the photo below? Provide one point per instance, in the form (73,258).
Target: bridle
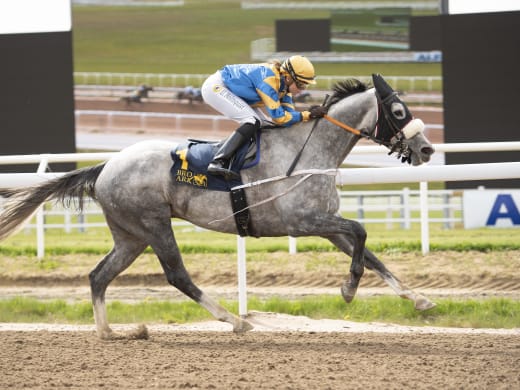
(396,143)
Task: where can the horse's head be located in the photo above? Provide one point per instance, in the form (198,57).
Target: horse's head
(396,128)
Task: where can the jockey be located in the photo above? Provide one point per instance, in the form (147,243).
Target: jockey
(140,92)
(239,91)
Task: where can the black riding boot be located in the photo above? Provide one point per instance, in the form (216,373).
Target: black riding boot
(220,163)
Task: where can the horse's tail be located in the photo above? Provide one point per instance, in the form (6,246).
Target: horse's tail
(21,203)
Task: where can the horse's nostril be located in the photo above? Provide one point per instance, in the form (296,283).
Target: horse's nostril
(427,150)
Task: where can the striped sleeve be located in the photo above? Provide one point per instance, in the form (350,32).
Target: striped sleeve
(282,111)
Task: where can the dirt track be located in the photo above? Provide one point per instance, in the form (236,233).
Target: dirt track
(216,360)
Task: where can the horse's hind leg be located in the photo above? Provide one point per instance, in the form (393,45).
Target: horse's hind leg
(125,251)
(166,249)
(374,264)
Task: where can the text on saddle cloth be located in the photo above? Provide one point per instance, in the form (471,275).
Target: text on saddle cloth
(191,160)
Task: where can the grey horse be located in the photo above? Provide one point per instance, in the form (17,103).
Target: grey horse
(139,197)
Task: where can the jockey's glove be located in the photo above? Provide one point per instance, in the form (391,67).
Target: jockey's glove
(318,112)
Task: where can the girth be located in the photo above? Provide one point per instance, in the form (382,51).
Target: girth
(241,212)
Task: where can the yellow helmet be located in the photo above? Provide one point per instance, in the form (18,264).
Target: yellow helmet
(300,69)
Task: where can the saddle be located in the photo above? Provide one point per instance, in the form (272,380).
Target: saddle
(190,167)
(191,160)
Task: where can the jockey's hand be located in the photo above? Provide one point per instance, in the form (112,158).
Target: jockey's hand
(318,112)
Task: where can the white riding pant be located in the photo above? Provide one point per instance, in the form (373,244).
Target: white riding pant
(218,96)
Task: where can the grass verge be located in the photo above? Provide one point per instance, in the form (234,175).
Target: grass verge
(472,313)
(380,239)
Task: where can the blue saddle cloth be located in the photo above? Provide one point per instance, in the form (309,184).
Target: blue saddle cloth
(191,160)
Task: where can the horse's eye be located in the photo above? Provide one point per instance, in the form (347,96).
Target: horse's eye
(398,110)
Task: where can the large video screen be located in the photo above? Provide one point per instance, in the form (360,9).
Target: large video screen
(302,35)
(481,86)
(370,29)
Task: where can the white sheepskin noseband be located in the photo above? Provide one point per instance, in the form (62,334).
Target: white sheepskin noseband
(413,127)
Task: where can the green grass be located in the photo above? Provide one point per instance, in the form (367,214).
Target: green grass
(199,37)
(481,313)
(380,239)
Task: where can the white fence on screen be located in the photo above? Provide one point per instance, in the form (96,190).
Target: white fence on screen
(181,80)
(101,119)
(140,120)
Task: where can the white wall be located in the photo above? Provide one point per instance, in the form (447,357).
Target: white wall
(31,16)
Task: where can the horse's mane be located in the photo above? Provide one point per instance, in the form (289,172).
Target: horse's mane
(346,88)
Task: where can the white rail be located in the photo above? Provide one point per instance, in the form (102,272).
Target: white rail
(460,147)
(492,171)
(360,149)
(352,176)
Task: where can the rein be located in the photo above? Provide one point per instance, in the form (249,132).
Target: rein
(360,133)
(297,158)
(344,126)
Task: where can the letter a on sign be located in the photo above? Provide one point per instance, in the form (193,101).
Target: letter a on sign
(506,202)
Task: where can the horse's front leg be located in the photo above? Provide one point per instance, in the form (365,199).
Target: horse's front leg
(332,226)
(374,264)
(357,267)
(166,249)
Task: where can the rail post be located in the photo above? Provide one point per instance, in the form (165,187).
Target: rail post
(405,209)
(425,228)
(40,233)
(242,277)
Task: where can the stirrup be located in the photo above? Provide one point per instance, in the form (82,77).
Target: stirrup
(217,169)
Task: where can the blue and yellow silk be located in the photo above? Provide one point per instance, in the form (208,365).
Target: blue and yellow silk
(260,85)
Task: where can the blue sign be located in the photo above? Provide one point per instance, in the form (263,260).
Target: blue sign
(504,207)
(428,56)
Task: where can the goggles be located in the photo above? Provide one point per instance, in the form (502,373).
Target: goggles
(300,85)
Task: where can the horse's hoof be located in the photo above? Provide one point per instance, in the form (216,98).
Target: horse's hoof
(242,327)
(423,303)
(347,292)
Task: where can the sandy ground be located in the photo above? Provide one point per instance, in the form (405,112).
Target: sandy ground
(259,360)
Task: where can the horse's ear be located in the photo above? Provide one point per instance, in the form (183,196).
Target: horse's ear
(383,89)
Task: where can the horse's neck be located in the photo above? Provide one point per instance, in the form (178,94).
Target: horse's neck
(332,143)
(327,147)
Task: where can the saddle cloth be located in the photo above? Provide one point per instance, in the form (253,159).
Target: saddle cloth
(191,160)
